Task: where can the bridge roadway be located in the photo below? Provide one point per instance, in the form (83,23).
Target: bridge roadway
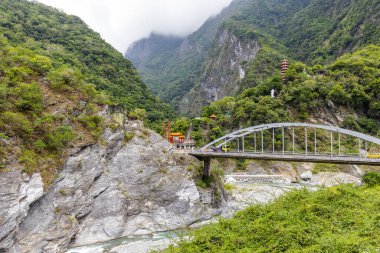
(286,157)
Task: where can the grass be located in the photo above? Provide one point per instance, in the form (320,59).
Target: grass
(325,167)
(229,187)
(338,219)
(128,136)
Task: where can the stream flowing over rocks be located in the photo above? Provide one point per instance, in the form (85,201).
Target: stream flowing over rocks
(127,192)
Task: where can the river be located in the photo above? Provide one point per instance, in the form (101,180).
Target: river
(243,195)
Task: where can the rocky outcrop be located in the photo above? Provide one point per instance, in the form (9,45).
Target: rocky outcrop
(334,178)
(17,192)
(121,188)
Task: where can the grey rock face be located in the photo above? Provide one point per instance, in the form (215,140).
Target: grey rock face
(334,178)
(222,71)
(119,189)
(17,192)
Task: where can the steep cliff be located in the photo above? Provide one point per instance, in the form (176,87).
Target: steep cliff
(130,185)
(229,59)
(171,70)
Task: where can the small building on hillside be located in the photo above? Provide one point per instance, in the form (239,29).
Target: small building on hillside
(213,117)
(178,140)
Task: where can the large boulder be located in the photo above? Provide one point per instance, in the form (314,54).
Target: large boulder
(306,176)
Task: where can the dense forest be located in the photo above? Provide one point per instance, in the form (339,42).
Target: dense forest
(310,31)
(68,41)
(56,77)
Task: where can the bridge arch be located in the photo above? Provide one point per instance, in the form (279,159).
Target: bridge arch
(250,130)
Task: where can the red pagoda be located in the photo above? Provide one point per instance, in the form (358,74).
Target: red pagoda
(284,68)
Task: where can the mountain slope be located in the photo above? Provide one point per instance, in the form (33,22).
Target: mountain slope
(313,31)
(69,40)
(45,109)
(56,76)
(172,70)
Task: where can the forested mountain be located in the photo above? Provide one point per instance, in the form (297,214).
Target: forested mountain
(248,44)
(70,43)
(345,93)
(56,76)
(170,66)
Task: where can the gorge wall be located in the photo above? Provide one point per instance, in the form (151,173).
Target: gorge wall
(125,187)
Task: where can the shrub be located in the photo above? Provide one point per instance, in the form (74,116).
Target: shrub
(371,178)
(29,97)
(29,159)
(229,187)
(325,167)
(16,124)
(338,219)
(128,136)
(64,77)
(203,183)
(60,138)
(40,144)
(3,136)
(91,122)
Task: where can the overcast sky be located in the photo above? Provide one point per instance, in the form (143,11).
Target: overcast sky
(121,22)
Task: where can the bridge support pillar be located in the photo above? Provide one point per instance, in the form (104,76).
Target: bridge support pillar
(206,167)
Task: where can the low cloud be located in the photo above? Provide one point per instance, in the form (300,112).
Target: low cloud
(121,22)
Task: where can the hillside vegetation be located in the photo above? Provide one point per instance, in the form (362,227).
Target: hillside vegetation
(45,108)
(56,76)
(68,41)
(338,219)
(351,84)
(171,66)
(310,31)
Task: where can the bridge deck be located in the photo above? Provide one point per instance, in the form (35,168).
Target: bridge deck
(318,158)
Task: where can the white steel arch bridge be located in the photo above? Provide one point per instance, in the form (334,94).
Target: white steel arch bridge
(262,150)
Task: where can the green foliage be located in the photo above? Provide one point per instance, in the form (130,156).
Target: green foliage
(338,219)
(229,187)
(3,136)
(181,125)
(70,54)
(371,178)
(13,123)
(64,77)
(140,113)
(315,32)
(91,121)
(305,93)
(325,167)
(204,183)
(128,136)
(29,97)
(29,160)
(60,138)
